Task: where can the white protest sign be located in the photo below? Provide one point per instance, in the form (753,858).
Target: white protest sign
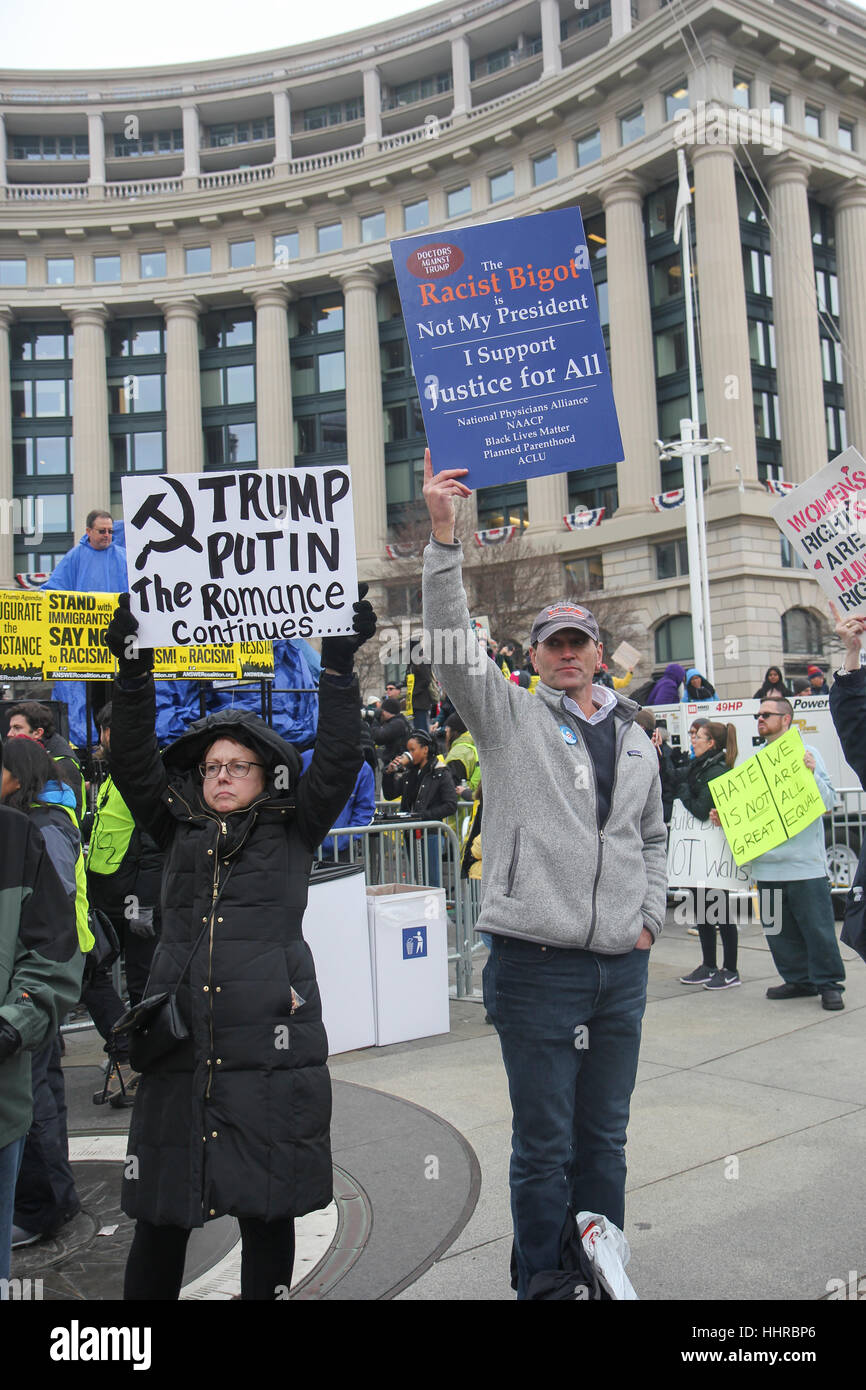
(699,855)
(240,556)
(825,521)
(625,656)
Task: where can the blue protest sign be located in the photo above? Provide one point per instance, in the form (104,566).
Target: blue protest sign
(507,348)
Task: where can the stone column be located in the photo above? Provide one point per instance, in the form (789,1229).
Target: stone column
(273,378)
(365,426)
(547,498)
(282,130)
(191,143)
(372,107)
(795,314)
(725,358)
(620,19)
(850,209)
(460,73)
(183,437)
(631,344)
(2,154)
(92,477)
(552,54)
(96,145)
(7,490)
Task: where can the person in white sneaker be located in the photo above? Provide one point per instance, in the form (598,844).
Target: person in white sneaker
(715,752)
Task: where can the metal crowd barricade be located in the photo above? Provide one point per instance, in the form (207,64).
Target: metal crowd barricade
(415,852)
(844,833)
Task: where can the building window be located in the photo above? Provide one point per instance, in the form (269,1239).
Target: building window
(673,641)
(758,272)
(790,559)
(588,148)
(631,126)
(812,123)
(767,422)
(242,133)
(330,237)
(666,279)
(287,247)
(228,445)
(338,113)
(422,89)
(152,265)
(135,338)
(197,260)
(135,394)
(762,343)
(227,328)
(779,106)
(846,135)
(60,270)
(42,458)
(672,559)
(827,285)
(676,98)
(151,143)
(502,506)
(48,147)
(802,633)
(321,434)
(106,269)
(142,452)
(837,432)
(321,315)
(373,226)
(502,185)
(459,201)
(670,348)
(416,215)
(13,272)
(34,344)
(242,254)
(228,385)
(41,399)
(583,575)
(741,92)
(544,168)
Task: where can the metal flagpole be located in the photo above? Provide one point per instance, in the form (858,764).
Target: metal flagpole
(689,430)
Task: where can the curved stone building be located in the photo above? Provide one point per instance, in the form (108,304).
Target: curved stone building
(212,241)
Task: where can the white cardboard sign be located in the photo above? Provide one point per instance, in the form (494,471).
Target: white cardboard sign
(825,521)
(625,656)
(699,855)
(262,555)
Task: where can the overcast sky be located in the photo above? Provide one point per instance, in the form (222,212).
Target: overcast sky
(139,33)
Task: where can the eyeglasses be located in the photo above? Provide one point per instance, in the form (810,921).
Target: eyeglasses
(235,770)
(762,715)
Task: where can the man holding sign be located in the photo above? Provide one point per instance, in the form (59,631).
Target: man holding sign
(805,949)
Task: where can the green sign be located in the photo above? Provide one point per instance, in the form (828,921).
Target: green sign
(768,799)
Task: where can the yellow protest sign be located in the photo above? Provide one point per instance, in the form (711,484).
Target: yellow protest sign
(218,662)
(255,660)
(410,689)
(768,799)
(21,634)
(74,645)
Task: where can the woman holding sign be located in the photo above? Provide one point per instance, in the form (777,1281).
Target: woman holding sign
(234,1118)
(715,752)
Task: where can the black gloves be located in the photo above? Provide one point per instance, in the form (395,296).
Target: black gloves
(120,634)
(338,653)
(10,1040)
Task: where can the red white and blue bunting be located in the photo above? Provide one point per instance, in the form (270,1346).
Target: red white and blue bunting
(777,487)
(495,536)
(31,579)
(581,521)
(667,501)
(403,550)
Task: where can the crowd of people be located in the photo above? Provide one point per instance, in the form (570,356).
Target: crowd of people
(191,863)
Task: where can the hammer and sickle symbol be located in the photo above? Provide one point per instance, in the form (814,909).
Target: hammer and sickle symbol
(178,535)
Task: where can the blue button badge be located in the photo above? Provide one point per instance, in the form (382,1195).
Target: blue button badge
(568,734)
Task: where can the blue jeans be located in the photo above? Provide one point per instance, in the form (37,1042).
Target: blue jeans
(10,1159)
(569,1024)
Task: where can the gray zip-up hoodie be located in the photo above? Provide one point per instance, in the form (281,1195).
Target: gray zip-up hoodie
(549,873)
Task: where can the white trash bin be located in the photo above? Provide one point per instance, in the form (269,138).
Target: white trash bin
(409,953)
(335,928)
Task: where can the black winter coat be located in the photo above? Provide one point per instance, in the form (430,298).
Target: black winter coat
(427,791)
(236,1120)
(693,779)
(847,708)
